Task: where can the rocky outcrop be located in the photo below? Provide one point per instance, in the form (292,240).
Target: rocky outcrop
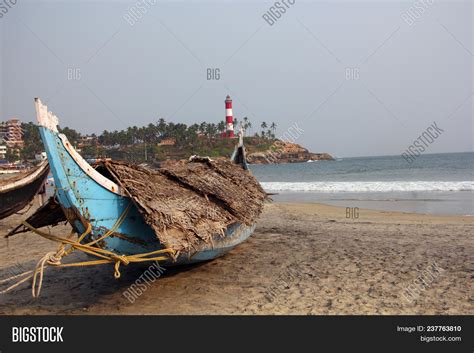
(286,152)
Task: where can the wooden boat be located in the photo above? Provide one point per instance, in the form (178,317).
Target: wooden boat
(17,192)
(239,156)
(88,197)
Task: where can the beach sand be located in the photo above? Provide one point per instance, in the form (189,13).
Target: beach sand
(302,259)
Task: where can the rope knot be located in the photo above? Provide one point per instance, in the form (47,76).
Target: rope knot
(54,260)
(123,259)
(119,259)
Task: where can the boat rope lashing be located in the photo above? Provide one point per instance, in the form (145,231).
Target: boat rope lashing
(116,225)
(53,258)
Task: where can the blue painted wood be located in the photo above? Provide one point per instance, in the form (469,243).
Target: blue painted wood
(83,199)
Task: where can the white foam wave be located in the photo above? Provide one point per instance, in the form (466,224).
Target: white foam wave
(370,186)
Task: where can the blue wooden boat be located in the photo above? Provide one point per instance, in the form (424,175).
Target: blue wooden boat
(88,197)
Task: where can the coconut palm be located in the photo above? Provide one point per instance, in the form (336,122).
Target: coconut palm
(203,127)
(273,127)
(221,126)
(263,126)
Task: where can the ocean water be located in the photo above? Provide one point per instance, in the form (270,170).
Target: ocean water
(432,184)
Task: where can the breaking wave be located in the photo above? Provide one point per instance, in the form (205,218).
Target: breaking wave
(369,186)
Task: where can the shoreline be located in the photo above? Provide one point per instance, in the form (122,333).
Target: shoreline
(423,203)
(304,258)
(408,216)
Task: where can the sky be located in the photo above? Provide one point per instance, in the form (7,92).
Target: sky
(360,78)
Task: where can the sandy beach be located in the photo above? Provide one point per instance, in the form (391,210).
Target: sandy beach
(302,259)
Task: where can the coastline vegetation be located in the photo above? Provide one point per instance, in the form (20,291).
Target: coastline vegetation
(155,142)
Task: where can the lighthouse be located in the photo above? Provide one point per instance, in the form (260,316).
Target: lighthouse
(229,118)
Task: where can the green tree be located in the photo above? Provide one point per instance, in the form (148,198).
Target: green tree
(263,126)
(32,141)
(236,123)
(221,126)
(273,127)
(72,135)
(203,127)
(161,127)
(245,124)
(12,155)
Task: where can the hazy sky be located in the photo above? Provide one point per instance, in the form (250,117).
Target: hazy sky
(361,78)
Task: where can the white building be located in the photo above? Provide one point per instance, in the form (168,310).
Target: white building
(3,151)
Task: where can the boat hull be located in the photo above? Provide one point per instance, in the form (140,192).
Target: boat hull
(15,198)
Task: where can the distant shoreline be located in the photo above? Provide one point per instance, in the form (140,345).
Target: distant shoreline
(441,204)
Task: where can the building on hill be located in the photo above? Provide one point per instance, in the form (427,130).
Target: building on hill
(12,133)
(167,142)
(87,141)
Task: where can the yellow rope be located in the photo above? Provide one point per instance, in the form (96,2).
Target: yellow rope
(105,256)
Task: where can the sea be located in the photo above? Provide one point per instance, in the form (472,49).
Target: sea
(440,184)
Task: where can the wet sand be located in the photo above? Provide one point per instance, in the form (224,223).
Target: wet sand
(302,259)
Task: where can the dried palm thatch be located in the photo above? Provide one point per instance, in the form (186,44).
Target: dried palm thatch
(189,203)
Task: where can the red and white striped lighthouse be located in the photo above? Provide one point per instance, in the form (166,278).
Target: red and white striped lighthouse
(229,117)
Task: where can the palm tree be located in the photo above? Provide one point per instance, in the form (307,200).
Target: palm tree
(273,127)
(245,124)
(203,127)
(263,126)
(209,130)
(161,127)
(192,134)
(221,126)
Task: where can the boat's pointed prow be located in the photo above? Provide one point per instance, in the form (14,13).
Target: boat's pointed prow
(239,155)
(44,117)
(62,156)
(241,138)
